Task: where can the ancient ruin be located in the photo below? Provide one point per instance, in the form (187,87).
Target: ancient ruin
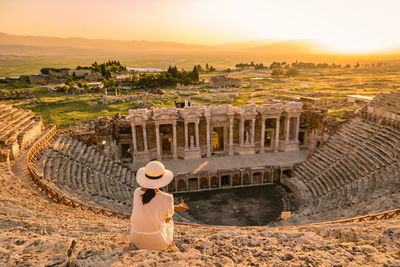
(194,132)
(353,170)
(18,129)
(222,81)
(237,147)
(359,165)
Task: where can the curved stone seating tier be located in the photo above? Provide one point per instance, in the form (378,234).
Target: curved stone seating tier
(89,175)
(359,162)
(13,125)
(387,101)
(18,129)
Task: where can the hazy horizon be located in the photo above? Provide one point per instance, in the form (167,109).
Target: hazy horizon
(340,26)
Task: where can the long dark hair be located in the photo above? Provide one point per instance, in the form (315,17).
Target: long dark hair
(148,195)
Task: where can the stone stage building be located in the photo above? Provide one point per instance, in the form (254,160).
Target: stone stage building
(193,132)
(210,147)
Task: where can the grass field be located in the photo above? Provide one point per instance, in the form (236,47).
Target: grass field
(67,110)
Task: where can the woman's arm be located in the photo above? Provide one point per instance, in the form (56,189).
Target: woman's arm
(181,206)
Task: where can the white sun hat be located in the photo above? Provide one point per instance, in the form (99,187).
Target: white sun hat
(154,175)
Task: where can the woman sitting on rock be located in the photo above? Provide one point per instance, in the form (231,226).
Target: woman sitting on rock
(152,224)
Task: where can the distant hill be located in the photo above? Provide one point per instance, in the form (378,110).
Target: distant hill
(247,45)
(39,45)
(28,54)
(290,47)
(19,45)
(23,45)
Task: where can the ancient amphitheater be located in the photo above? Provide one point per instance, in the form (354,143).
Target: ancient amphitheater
(65,202)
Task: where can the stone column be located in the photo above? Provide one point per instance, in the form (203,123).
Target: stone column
(253,125)
(192,142)
(197,134)
(277,128)
(186,136)
(241,132)
(146,149)
(208,137)
(158,141)
(174,143)
(134,139)
(231,137)
(262,150)
(287,128)
(296,129)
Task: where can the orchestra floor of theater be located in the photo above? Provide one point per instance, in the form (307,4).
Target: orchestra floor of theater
(255,206)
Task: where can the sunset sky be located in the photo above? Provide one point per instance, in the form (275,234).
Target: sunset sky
(343,25)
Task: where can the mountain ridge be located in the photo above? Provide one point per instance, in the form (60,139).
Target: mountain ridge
(20,45)
(287,46)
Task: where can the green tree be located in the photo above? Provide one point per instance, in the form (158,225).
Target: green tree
(195,74)
(292,72)
(84,85)
(277,71)
(275,65)
(70,83)
(108,74)
(103,70)
(108,84)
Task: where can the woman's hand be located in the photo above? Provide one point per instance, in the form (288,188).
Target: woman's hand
(181,206)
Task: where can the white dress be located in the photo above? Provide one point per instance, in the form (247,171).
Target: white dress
(149,229)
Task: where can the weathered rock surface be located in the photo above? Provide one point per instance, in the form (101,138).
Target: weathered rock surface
(35,231)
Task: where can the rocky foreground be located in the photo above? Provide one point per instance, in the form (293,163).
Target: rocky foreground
(36,231)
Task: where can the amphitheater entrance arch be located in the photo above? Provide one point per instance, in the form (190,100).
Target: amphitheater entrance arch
(301,137)
(287,173)
(236,180)
(257,177)
(218,139)
(246,179)
(182,185)
(193,184)
(171,187)
(225,180)
(166,147)
(166,140)
(214,182)
(204,183)
(126,151)
(268,177)
(269,135)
